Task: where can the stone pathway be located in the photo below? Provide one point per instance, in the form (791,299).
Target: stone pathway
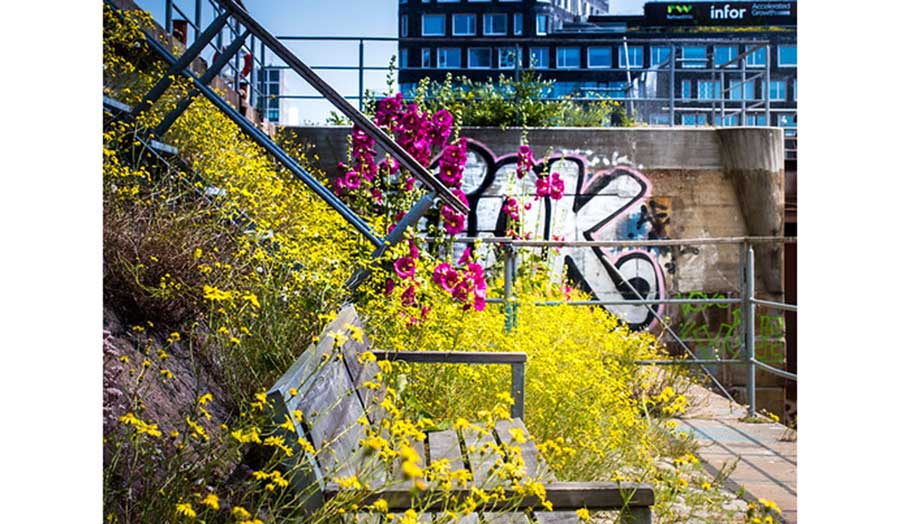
(765,453)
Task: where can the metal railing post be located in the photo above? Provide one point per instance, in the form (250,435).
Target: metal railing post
(169,16)
(768,88)
(198,17)
(671,85)
(749,320)
(362,46)
(509,275)
(518,390)
(252,87)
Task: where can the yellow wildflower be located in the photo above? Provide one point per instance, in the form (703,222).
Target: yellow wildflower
(211,501)
(583,514)
(240,513)
(185,509)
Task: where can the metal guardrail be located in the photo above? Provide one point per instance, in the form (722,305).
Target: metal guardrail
(747,299)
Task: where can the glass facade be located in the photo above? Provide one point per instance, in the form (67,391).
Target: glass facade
(433,25)
(479,58)
(787,56)
(723,55)
(495,24)
(600,57)
(568,57)
(659,56)
(464,25)
(635,56)
(540,57)
(693,56)
(507,57)
(449,57)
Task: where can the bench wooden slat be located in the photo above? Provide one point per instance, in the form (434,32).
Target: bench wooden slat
(481,458)
(445,445)
(536,467)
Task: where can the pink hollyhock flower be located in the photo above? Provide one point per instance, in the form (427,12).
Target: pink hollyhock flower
(557,187)
(410,183)
(377,196)
(465,257)
(425,311)
(405,267)
(408,297)
(450,174)
(388,287)
(413,249)
(445,276)
(388,109)
(389,166)
(351,179)
(454,222)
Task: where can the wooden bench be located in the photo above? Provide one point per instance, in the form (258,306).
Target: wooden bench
(326,384)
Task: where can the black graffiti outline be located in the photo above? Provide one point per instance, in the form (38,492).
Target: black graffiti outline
(582,197)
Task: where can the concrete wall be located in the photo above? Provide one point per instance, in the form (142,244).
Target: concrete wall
(643,183)
(701,182)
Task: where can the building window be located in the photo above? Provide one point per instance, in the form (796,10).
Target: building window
(541,25)
(599,57)
(730,121)
(693,119)
(517,23)
(685,89)
(789,122)
(568,57)
(659,119)
(426,57)
(659,55)
(787,56)
(757,58)
(708,90)
(449,57)
(693,57)
(507,57)
(540,57)
(495,24)
(404,25)
(480,58)
(778,90)
(463,25)
(757,119)
(635,57)
(404,58)
(795,90)
(433,25)
(738,90)
(723,55)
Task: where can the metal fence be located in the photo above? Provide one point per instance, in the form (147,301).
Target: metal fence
(646,92)
(747,300)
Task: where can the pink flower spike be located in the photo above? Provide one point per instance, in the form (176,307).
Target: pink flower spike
(388,287)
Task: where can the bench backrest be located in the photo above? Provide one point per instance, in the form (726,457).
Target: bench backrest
(328,379)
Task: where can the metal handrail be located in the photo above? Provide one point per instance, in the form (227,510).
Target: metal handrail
(747,299)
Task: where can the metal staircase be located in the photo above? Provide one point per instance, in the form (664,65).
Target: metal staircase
(231,15)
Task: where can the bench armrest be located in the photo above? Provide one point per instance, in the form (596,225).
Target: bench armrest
(565,496)
(515,359)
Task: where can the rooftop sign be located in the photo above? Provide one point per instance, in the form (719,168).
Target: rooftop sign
(720,13)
